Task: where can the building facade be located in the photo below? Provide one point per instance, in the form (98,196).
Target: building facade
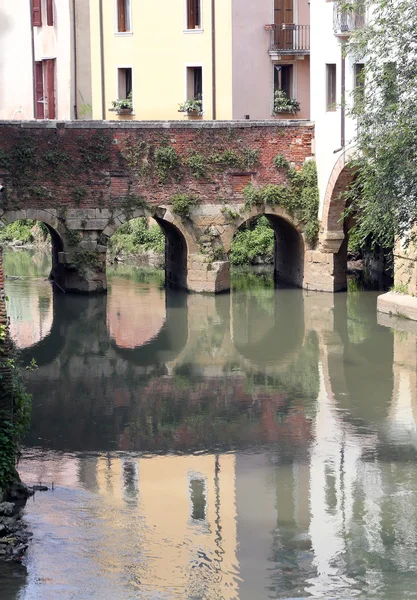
(47,43)
(231,54)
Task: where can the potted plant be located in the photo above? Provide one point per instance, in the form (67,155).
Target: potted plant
(192,107)
(123,106)
(283,104)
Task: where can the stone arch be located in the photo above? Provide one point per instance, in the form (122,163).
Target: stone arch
(179,241)
(289,241)
(332,231)
(56,230)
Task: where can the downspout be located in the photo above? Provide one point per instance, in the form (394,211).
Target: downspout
(103,87)
(343,99)
(33,60)
(213,57)
(74,32)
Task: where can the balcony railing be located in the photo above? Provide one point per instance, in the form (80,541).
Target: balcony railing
(290,39)
(346,21)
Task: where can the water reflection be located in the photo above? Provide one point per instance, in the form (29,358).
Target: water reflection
(255,445)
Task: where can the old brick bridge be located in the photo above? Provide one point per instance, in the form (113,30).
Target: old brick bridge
(201,181)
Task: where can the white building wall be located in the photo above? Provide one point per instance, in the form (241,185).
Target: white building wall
(16,75)
(326,49)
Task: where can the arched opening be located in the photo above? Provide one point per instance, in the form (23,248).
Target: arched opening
(354,257)
(270,239)
(152,242)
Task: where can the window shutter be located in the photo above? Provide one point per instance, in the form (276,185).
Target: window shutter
(49,12)
(39,106)
(50,78)
(121,15)
(36,13)
(191,14)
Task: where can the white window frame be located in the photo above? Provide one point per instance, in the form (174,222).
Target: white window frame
(116,21)
(185,28)
(118,67)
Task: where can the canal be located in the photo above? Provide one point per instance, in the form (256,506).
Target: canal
(255,445)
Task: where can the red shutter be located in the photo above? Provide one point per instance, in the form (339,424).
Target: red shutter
(121,15)
(50,86)
(50,12)
(191,21)
(39,106)
(36,13)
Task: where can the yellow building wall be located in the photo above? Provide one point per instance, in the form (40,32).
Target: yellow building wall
(158,50)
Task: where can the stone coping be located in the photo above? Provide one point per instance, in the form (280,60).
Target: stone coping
(398,305)
(237,124)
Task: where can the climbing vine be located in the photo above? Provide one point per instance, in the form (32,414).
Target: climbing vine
(85,260)
(300,198)
(182,204)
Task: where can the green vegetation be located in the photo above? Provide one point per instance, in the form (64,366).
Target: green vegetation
(182,204)
(255,241)
(14,420)
(84,260)
(197,164)
(399,288)
(25,230)
(167,162)
(383,197)
(136,236)
(300,198)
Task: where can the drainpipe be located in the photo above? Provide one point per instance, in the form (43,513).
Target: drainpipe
(33,60)
(213,57)
(74,33)
(343,98)
(103,87)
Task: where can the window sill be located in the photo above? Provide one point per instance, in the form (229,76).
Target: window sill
(193,31)
(123,33)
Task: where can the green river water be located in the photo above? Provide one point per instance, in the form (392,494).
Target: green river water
(255,445)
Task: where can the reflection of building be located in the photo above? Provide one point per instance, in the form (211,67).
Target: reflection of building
(30,312)
(185,520)
(132,328)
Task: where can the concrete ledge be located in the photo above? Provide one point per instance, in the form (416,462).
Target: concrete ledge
(278,123)
(398,305)
(397,323)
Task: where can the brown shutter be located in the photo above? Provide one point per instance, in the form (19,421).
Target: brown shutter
(49,12)
(39,106)
(191,14)
(36,13)
(50,86)
(121,15)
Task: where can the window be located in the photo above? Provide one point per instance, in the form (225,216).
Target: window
(49,12)
(331,87)
(36,13)
(124,82)
(283,79)
(39,97)
(193,14)
(198,499)
(123,16)
(194,83)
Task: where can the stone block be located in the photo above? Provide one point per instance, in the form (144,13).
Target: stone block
(399,305)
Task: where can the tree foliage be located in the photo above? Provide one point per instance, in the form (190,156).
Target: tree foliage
(384,194)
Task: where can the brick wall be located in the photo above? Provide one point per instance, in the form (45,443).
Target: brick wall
(98,164)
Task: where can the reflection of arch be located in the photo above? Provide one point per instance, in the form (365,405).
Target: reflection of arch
(285,332)
(179,242)
(289,241)
(54,227)
(170,340)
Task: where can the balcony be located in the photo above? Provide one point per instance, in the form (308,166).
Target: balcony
(346,21)
(289,39)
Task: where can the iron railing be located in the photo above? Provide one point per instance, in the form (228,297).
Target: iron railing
(291,39)
(346,21)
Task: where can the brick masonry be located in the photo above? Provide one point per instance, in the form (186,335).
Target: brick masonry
(90,177)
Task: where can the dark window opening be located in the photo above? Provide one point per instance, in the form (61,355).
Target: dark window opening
(194,83)
(193,14)
(283,79)
(198,499)
(125,83)
(331,87)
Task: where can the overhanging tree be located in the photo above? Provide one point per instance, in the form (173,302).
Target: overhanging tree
(384,195)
